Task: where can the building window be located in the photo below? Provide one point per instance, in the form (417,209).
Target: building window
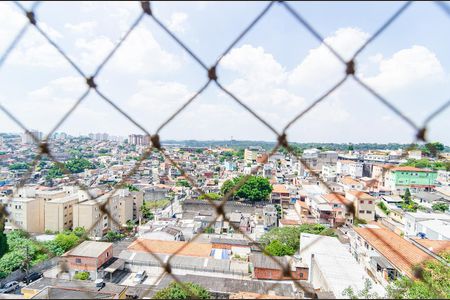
(361,201)
(368,212)
(370,202)
(78,260)
(361,211)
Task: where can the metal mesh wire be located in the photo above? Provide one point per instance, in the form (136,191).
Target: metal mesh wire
(211,76)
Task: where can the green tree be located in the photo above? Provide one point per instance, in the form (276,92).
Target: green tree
(289,238)
(82,275)
(227,186)
(211,196)
(79,232)
(256,188)
(112,236)
(3,240)
(146,212)
(276,248)
(132,188)
(18,166)
(365,293)
(442,207)
(407,196)
(433,282)
(434,148)
(183,182)
(188,290)
(63,242)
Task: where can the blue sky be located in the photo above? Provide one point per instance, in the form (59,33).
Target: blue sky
(277,69)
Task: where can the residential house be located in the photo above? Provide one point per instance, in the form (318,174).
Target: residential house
(385,254)
(280,195)
(89,256)
(331,267)
(341,209)
(400,178)
(329,173)
(364,204)
(427,199)
(349,168)
(350,183)
(165,233)
(412,220)
(277,268)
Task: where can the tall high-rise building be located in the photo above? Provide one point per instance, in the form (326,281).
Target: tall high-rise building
(27,137)
(138,139)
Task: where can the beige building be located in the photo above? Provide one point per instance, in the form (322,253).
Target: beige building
(59,213)
(25,213)
(364,204)
(122,206)
(250,156)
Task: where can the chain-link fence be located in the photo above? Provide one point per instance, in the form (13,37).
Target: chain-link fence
(211,78)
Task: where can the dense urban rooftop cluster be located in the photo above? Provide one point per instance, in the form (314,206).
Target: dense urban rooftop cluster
(342,221)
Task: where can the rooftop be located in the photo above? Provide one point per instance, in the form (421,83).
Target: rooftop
(89,249)
(268,262)
(408,169)
(280,188)
(398,251)
(361,195)
(64,286)
(438,226)
(337,266)
(435,246)
(347,180)
(171,247)
(336,198)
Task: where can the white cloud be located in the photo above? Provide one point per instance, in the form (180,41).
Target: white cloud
(32,50)
(159,95)
(255,65)
(406,68)
(177,22)
(320,67)
(140,53)
(83,27)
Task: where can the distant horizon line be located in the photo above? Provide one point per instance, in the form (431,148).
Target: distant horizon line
(221,140)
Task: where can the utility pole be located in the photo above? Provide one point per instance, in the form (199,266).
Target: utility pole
(27,264)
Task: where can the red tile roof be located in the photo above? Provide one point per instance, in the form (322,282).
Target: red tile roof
(361,195)
(435,246)
(409,169)
(398,251)
(336,198)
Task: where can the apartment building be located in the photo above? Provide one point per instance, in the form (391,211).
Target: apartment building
(280,195)
(379,172)
(348,167)
(250,156)
(329,173)
(122,206)
(24,213)
(59,213)
(314,159)
(400,178)
(364,204)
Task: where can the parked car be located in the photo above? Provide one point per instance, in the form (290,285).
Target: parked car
(140,277)
(99,283)
(32,277)
(9,287)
